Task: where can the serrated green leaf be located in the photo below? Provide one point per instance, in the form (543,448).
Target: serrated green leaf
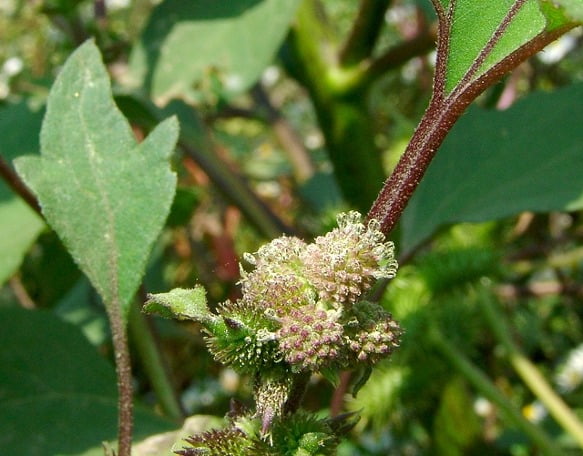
(180,303)
(19,224)
(57,395)
(187,41)
(106,196)
(495,164)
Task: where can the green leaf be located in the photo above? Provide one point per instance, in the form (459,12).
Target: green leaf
(180,303)
(572,8)
(473,25)
(495,164)
(188,43)
(19,224)
(474,22)
(106,196)
(57,395)
(456,425)
(19,227)
(75,308)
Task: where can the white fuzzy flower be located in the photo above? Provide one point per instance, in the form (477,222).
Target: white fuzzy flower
(117,4)
(570,374)
(12,66)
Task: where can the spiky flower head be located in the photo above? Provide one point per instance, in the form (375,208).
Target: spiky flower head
(345,262)
(300,308)
(222,442)
(304,433)
(245,339)
(310,338)
(301,312)
(372,334)
(276,281)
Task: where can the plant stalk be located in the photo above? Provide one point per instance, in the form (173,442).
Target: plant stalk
(365,31)
(481,382)
(530,375)
(340,102)
(444,110)
(18,186)
(124,378)
(151,358)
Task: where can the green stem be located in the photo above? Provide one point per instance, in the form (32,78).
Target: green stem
(400,54)
(235,189)
(151,358)
(341,105)
(365,31)
(481,382)
(195,143)
(531,376)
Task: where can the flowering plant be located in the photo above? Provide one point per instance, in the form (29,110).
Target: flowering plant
(302,311)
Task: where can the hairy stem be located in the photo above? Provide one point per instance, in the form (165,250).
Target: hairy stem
(124,378)
(528,372)
(17,185)
(119,336)
(444,110)
(481,382)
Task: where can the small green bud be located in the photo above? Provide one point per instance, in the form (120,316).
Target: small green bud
(182,304)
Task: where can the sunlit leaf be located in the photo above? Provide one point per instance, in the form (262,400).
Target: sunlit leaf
(106,196)
(573,8)
(474,23)
(181,304)
(224,45)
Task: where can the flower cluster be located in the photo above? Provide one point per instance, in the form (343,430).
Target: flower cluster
(303,310)
(302,303)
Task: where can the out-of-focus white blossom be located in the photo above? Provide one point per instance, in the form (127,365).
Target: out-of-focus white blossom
(558,49)
(483,407)
(117,4)
(535,412)
(12,66)
(314,140)
(270,76)
(570,374)
(234,83)
(7,6)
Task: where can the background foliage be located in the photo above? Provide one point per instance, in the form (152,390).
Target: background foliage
(277,137)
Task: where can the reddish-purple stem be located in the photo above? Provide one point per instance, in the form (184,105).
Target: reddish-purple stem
(16,184)
(443,112)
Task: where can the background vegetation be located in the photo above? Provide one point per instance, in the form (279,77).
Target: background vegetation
(284,122)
